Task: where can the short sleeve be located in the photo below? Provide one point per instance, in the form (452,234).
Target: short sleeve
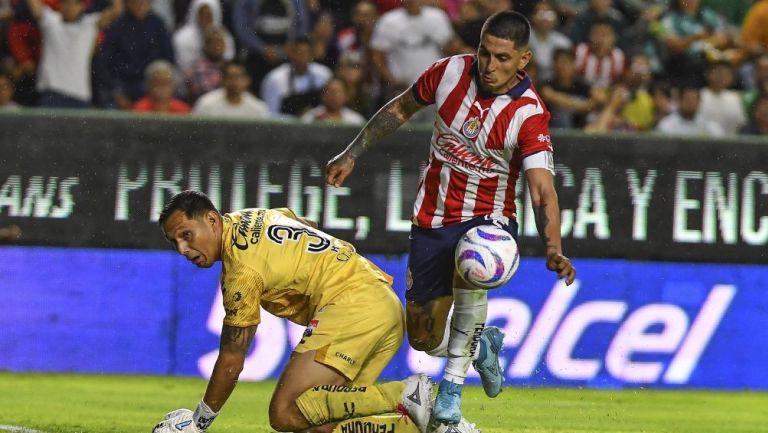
(534,135)
(425,87)
(241,288)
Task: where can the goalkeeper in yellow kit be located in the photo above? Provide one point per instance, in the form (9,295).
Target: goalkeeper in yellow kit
(274,260)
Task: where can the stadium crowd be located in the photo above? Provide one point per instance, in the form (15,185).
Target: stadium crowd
(685,67)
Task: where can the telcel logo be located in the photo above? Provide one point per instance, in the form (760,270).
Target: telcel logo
(555,334)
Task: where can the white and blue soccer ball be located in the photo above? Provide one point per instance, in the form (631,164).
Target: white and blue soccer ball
(487,257)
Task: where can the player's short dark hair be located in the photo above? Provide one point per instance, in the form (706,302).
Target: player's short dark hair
(193,203)
(509,25)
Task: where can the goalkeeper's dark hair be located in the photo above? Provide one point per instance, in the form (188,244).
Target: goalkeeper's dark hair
(509,25)
(193,203)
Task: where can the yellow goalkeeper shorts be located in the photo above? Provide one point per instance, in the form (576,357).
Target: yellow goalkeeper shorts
(358,333)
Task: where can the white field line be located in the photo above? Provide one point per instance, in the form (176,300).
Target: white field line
(18,429)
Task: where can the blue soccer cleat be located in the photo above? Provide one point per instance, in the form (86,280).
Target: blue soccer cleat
(487,362)
(448,403)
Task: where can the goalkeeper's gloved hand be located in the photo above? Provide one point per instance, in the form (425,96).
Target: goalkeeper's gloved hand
(186,421)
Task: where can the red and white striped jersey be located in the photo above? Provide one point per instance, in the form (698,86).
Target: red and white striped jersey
(599,71)
(478,143)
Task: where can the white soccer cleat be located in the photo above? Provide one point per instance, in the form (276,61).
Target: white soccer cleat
(178,421)
(417,400)
(178,412)
(464,426)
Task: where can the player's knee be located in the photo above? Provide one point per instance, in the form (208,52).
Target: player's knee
(422,341)
(281,422)
(283,419)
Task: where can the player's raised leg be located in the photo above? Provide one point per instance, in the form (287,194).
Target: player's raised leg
(311,394)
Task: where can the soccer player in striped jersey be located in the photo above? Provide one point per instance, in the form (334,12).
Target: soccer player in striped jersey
(490,123)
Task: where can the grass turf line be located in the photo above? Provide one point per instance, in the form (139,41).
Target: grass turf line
(59,403)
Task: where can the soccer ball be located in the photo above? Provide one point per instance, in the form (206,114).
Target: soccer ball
(487,257)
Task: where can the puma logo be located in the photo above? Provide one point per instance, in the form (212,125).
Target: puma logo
(480,108)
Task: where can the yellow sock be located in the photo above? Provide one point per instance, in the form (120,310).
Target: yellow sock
(390,423)
(329,403)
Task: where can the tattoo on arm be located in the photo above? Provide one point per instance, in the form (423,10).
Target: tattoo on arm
(384,122)
(542,221)
(236,339)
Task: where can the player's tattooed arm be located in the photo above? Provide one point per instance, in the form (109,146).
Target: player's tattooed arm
(546,210)
(234,339)
(384,122)
(542,222)
(235,343)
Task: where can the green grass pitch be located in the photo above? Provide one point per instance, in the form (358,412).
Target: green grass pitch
(58,403)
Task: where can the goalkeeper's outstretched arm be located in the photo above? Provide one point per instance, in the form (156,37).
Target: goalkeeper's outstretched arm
(235,343)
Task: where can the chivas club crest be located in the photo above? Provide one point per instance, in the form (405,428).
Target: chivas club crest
(471,128)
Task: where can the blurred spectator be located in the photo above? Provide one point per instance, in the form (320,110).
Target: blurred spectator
(358,37)
(687,33)
(135,40)
(322,39)
(204,74)
(631,106)
(754,32)
(719,104)
(263,28)
(600,62)
(465,24)
(686,121)
(407,40)
(609,119)
(165,9)
(759,82)
(544,38)
(758,124)
(640,36)
(469,31)
(663,103)
(24,45)
(569,9)
(333,108)
(6,93)
(6,14)
(568,98)
(294,87)
(160,84)
(69,38)
(733,11)
(351,71)
(10,234)
(233,100)
(598,10)
(639,111)
(188,40)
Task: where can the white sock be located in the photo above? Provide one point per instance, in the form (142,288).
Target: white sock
(470,308)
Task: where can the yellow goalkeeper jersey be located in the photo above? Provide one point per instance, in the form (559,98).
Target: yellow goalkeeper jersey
(272,260)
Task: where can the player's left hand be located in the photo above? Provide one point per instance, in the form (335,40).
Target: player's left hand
(337,169)
(177,421)
(557,262)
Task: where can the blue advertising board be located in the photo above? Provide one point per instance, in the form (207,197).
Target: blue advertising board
(621,324)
